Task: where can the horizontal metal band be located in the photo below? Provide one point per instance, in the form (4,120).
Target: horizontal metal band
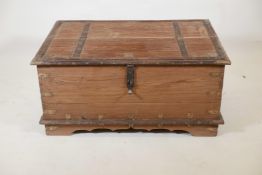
(132,121)
(156,62)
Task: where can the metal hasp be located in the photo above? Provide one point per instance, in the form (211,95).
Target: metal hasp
(130,77)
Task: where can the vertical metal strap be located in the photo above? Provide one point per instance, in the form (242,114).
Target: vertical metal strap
(81,41)
(180,40)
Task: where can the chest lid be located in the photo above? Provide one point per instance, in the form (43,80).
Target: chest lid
(166,42)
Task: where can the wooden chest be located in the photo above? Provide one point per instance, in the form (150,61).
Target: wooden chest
(131,74)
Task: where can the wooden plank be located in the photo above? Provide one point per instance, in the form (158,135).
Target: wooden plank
(200,47)
(108,84)
(61,48)
(142,48)
(195,29)
(70,30)
(130,29)
(92,91)
(216,42)
(39,57)
(131,110)
(133,42)
(138,97)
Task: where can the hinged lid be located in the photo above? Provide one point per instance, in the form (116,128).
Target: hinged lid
(168,42)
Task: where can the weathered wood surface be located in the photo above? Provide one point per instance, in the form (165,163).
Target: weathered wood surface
(94,91)
(131,42)
(178,76)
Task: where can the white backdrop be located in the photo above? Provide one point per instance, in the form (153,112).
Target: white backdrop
(24,148)
(33,18)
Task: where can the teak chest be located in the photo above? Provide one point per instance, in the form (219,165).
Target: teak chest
(131,74)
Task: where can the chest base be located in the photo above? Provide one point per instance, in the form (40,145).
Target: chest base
(206,127)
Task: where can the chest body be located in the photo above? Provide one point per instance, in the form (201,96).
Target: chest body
(131,74)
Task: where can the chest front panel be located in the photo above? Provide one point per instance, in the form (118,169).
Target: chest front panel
(95,91)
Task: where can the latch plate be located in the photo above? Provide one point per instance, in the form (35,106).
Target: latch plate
(130,78)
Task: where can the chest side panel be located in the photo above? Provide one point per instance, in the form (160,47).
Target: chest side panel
(159,92)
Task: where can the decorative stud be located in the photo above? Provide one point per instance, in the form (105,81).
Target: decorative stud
(131,116)
(100,117)
(212,112)
(83,117)
(131,125)
(211,93)
(160,125)
(47,94)
(100,123)
(49,112)
(160,116)
(211,129)
(68,116)
(52,128)
(190,115)
(42,76)
(128,55)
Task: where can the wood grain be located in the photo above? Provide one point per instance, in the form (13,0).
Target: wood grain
(101,91)
(140,42)
(176,70)
(145,48)
(133,29)
(194,29)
